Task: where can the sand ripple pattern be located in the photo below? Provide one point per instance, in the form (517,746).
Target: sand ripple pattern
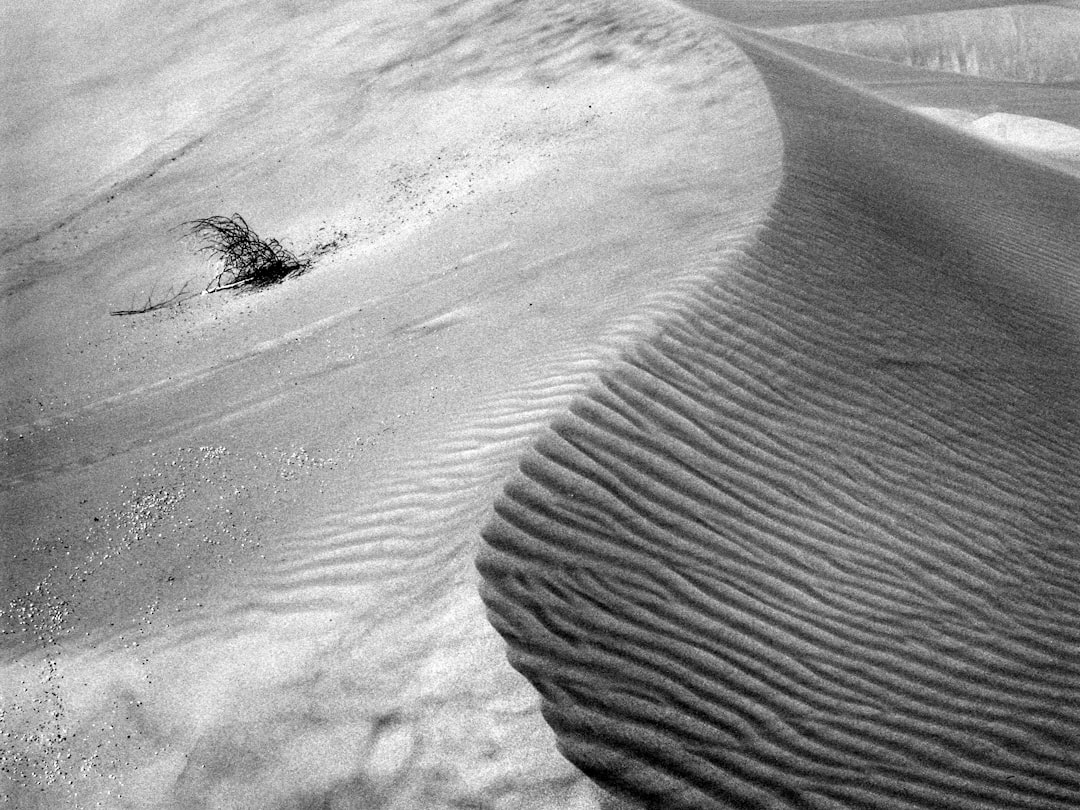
(427,510)
(818,543)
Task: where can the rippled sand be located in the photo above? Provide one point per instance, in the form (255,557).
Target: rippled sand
(733,366)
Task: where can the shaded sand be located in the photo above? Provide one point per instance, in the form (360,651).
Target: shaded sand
(816,544)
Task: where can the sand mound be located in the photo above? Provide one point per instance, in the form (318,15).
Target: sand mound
(816,544)
(812,539)
(1033,43)
(1025,133)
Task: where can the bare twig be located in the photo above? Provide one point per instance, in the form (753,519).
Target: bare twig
(152,305)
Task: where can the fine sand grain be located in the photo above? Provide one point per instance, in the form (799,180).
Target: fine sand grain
(727,381)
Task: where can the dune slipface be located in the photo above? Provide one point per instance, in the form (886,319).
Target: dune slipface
(816,544)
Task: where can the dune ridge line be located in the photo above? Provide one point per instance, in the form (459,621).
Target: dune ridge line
(816,543)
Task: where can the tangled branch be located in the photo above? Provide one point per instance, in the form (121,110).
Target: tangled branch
(246,258)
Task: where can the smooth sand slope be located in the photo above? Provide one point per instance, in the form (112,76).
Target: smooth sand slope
(817,543)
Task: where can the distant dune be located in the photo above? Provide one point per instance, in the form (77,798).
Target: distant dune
(1032,43)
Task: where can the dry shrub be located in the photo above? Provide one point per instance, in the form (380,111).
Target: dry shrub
(246,258)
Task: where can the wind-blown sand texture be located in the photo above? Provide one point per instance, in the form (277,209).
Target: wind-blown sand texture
(724,375)
(816,543)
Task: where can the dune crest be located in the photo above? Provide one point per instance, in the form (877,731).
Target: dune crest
(816,544)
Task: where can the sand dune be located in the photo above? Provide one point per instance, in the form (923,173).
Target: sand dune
(239,534)
(781,13)
(1037,137)
(816,544)
(911,86)
(1033,43)
(803,531)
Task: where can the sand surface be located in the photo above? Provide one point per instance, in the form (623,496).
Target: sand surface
(680,409)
